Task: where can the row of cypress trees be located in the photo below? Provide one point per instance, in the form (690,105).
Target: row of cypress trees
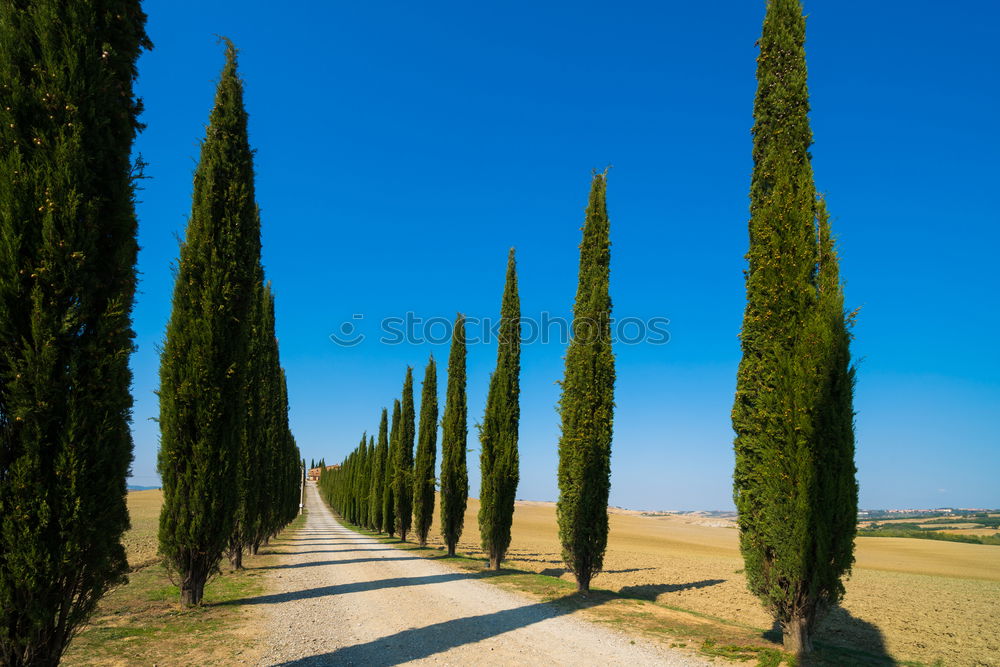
(382,487)
(229,464)
(584,452)
(794,482)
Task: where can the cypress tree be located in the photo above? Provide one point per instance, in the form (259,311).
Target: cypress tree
(366,491)
(426,457)
(67,281)
(587,403)
(454,475)
(378,473)
(403,490)
(498,433)
(794,479)
(389,495)
(202,366)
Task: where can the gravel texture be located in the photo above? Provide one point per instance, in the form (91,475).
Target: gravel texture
(337,597)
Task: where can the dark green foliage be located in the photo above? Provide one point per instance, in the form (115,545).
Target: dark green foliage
(203,396)
(67,282)
(587,403)
(794,481)
(272,450)
(498,433)
(389,495)
(250,475)
(403,469)
(377,490)
(454,474)
(426,457)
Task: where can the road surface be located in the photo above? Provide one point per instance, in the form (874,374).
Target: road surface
(341,598)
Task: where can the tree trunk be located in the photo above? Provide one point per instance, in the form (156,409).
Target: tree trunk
(192,591)
(796,635)
(583,584)
(451,549)
(236,559)
(495,561)
(422,543)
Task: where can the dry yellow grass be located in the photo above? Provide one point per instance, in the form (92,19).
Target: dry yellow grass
(913,599)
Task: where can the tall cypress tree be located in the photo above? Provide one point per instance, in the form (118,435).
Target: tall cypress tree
(426,457)
(202,366)
(403,491)
(67,282)
(454,474)
(498,433)
(368,520)
(389,494)
(794,479)
(587,403)
(378,473)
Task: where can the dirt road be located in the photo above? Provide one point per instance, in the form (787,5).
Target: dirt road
(342,598)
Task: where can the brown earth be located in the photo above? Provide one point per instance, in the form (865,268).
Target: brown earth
(140,540)
(911,599)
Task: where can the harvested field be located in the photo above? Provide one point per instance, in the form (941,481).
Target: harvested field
(972,531)
(911,599)
(140,540)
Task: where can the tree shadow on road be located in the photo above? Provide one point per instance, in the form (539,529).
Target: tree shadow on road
(349,561)
(320,551)
(418,643)
(354,587)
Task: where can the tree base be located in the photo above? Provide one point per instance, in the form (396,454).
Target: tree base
(796,636)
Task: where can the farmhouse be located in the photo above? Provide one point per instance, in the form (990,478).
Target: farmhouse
(314,473)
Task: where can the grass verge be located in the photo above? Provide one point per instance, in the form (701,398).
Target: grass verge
(143,623)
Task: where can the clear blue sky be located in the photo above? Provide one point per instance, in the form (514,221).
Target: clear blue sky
(403,147)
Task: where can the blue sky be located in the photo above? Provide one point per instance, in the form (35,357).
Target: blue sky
(402,148)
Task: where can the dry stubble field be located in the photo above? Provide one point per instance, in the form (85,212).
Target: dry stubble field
(916,600)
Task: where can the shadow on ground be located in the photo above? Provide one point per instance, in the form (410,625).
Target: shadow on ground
(842,639)
(335,562)
(354,587)
(652,591)
(418,643)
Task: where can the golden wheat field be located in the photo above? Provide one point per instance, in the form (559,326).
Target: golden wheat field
(917,600)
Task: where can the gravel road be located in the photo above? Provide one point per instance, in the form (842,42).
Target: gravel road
(337,597)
